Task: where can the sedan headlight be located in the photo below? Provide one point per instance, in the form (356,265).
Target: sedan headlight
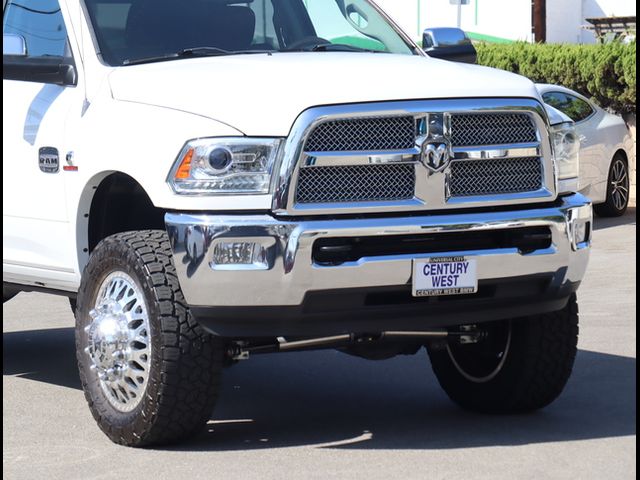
(567,148)
(213,166)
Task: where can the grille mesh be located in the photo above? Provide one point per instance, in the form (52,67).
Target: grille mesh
(358,183)
(473,129)
(381,133)
(389,182)
(496,176)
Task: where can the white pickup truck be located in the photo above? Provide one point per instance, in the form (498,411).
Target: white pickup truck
(212,179)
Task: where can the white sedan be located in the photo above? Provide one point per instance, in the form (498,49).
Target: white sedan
(606,149)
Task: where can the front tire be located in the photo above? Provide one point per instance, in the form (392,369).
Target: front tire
(617,189)
(522,365)
(149,372)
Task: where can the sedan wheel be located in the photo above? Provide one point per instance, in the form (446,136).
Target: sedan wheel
(617,190)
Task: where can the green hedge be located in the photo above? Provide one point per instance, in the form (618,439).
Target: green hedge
(607,73)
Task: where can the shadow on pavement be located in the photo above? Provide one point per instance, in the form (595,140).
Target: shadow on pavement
(329,400)
(42,355)
(629,218)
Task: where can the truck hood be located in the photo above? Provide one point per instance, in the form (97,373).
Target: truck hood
(262,95)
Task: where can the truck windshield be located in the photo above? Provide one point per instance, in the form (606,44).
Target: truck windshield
(135,31)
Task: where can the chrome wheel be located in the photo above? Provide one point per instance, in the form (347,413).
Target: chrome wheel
(119,341)
(481,362)
(619,184)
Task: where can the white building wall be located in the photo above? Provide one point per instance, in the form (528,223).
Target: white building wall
(566,18)
(564,22)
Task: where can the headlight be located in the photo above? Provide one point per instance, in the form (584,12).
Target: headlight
(225,166)
(567,148)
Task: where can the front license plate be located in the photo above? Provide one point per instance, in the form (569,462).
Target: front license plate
(444,276)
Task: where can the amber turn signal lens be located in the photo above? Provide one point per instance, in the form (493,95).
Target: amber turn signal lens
(184,170)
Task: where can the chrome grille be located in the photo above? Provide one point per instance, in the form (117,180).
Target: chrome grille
(359,183)
(473,129)
(379,133)
(495,176)
(366,158)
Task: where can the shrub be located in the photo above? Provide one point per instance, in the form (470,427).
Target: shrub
(604,72)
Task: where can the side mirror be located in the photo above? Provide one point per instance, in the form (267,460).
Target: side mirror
(13,44)
(449,44)
(55,70)
(18,65)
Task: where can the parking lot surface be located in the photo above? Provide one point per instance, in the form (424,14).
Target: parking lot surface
(327,415)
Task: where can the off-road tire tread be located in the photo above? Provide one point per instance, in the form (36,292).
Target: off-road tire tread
(188,377)
(543,352)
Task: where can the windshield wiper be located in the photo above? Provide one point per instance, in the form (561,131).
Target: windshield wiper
(192,52)
(334,47)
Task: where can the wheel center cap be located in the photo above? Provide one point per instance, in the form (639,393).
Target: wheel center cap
(109,341)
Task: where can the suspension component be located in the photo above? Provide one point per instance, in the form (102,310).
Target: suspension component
(241,350)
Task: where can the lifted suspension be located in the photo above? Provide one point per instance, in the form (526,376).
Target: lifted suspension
(241,350)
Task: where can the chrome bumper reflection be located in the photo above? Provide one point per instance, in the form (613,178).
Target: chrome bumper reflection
(290,271)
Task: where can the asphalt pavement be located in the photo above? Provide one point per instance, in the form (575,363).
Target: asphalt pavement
(324,415)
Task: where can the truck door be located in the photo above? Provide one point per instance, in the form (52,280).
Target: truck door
(36,230)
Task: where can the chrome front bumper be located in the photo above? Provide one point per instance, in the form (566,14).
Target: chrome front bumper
(290,273)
